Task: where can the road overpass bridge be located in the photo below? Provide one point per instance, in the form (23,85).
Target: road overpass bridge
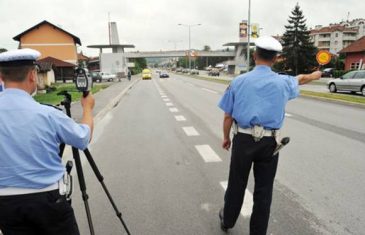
(182,53)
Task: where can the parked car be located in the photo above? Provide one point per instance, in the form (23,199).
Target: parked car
(194,71)
(96,76)
(179,70)
(164,74)
(328,72)
(213,72)
(353,81)
(146,74)
(185,70)
(107,76)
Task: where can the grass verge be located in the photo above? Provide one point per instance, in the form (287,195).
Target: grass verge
(326,96)
(52,97)
(210,79)
(330,96)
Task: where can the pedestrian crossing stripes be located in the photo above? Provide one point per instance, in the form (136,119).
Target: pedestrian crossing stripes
(246,209)
(207,153)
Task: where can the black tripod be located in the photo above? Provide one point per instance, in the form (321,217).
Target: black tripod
(75,152)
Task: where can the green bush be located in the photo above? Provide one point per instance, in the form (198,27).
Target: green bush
(338,73)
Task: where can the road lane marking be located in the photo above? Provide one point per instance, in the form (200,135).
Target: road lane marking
(163,96)
(166,99)
(207,153)
(246,209)
(173,110)
(190,131)
(208,90)
(288,115)
(180,118)
(169,104)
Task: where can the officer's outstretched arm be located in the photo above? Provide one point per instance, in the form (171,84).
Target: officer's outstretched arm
(306,78)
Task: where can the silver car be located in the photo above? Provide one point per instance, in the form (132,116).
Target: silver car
(353,81)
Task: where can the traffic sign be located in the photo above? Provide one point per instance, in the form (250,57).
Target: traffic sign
(323,57)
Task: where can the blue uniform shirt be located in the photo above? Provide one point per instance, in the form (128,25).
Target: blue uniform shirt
(30,135)
(259,98)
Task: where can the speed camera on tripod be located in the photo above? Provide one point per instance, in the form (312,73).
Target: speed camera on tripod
(83,80)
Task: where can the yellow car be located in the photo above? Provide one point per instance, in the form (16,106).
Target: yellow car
(146,74)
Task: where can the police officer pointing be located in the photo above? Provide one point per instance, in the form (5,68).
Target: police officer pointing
(32,201)
(254,105)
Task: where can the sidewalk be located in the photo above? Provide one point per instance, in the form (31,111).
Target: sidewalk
(105,99)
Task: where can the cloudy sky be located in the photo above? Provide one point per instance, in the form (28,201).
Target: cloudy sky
(153,25)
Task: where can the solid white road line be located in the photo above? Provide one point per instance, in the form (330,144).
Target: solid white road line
(288,115)
(208,90)
(180,118)
(207,153)
(169,104)
(190,131)
(173,110)
(246,209)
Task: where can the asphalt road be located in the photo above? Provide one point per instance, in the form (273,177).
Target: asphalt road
(167,172)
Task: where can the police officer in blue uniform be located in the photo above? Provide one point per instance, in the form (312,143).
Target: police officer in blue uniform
(254,105)
(32,196)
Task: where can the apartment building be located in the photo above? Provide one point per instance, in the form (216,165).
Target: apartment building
(335,37)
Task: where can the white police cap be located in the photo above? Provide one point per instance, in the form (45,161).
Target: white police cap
(269,43)
(20,57)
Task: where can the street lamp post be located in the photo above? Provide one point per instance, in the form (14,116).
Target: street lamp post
(189,52)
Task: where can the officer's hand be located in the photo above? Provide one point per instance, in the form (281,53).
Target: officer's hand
(316,75)
(226,144)
(88,102)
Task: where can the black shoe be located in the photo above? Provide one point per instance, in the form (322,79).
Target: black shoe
(223,227)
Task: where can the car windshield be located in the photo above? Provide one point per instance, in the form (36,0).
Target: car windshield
(348,75)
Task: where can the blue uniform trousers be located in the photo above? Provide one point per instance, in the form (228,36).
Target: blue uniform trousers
(245,153)
(45,213)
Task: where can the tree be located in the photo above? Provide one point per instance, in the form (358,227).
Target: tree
(206,48)
(298,51)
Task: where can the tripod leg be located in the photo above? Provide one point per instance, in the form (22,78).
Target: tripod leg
(85,197)
(101,180)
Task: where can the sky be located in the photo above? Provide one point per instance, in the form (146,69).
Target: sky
(153,25)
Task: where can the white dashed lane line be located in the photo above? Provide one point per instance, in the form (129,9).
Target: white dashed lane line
(173,110)
(207,153)
(169,104)
(163,96)
(166,99)
(288,115)
(190,131)
(246,209)
(208,90)
(180,118)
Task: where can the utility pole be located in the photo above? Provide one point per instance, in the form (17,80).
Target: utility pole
(189,52)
